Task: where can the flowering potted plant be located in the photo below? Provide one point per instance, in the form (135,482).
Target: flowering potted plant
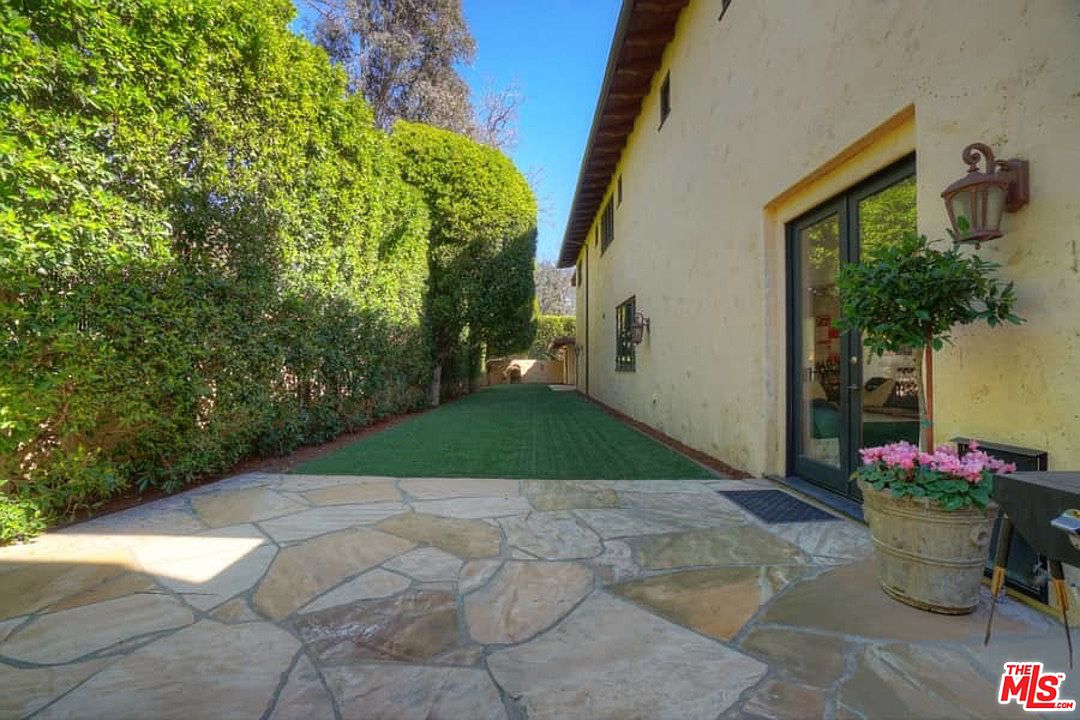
(930,515)
(929,512)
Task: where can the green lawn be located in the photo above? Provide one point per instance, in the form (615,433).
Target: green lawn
(510,431)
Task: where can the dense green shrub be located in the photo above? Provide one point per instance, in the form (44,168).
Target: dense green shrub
(549,327)
(207,249)
(482,247)
(910,295)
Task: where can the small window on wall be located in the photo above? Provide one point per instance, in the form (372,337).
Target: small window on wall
(619,183)
(624,344)
(607,227)
(665,99)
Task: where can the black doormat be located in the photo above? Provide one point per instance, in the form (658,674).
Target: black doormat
(776,506)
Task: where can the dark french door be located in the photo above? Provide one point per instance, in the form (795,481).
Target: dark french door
(841,399)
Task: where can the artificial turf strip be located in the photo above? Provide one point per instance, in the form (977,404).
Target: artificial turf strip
(510,431)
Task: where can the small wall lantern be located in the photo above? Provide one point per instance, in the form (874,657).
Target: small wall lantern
(976,201)
(638,328)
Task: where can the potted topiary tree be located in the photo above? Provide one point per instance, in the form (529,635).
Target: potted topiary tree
(929,509)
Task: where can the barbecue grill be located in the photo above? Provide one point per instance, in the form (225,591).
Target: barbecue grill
(1044,507)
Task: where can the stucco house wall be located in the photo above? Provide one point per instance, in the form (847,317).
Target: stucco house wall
(777,107)
(532,371)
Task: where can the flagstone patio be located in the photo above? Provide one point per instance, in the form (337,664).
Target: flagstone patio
(293,596)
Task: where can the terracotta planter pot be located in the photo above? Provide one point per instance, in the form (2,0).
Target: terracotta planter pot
(928,557)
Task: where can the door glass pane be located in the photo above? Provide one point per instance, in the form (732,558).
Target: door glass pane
(819,249)
(889,397)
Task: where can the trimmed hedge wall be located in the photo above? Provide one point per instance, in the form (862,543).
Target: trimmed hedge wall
(208,250)
(483,248)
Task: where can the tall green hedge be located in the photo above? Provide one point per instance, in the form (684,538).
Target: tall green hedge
(483,247)
(207,249)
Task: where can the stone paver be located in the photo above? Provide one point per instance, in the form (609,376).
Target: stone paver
(8,626)
(475,573)
(812,659)
(682,487)
(609,659)
(572,499)
(27,690)
(415,626)
(167,516)
(300,572)
(816,605)
(829,542)
(687,510)
(308,596)
(229,581)
(70,634)
(370,491)
(616,563)
(114,587)
(776,700)
(715,602)
(235,611)
(305,483)
(745,545)
(31,583)
(524,598)
(242,506)
(208,670)
(552,536)
(467,656)
(427,565)
(922,682)
(474,507)
(373,584)
(304,695)
(414,693)
(440,488)
(464,538)
(322,520)
(617,523)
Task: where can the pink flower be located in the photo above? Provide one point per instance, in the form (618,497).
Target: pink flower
(972,466)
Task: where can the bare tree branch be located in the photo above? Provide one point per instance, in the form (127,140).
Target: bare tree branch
(497,115)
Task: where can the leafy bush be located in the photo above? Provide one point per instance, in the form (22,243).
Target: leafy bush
(910,295)
(549,327)
(19,520)
(483,246)
(208,250)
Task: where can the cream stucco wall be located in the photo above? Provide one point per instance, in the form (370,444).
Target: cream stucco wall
(546,372)
(777,107)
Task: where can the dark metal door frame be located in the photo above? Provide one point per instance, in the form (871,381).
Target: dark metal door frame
(846,206)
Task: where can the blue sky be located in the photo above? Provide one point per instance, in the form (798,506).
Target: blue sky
(555,52)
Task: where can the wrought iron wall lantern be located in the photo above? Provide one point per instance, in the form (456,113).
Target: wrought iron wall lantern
(638,328)
(975,202)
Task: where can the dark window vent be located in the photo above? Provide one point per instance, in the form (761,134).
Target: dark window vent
(665,99)
(607,226)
